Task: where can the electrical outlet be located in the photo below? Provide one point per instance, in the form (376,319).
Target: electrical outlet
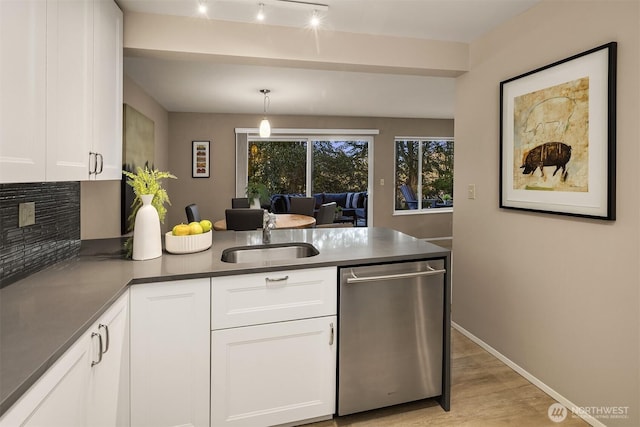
(381,181)
(471,191)
(26,214)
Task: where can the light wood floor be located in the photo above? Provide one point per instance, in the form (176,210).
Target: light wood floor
(484,393)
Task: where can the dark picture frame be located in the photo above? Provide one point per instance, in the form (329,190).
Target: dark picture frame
(558,137)
(200,159)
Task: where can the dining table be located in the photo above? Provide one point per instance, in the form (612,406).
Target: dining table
(282,221)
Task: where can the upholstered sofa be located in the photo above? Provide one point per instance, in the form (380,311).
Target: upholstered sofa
(353,205)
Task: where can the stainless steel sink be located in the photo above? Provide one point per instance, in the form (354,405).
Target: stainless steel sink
(261,253)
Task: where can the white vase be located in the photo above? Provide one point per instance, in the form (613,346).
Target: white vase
(147,243)
(255,204)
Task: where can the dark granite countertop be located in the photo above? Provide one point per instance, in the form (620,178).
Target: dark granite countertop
(43,314)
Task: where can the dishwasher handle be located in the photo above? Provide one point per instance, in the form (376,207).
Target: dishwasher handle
(430,272)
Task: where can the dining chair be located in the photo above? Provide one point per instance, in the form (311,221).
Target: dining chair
(302,205)
(243,219)
(326,213)
(192,213)
(240,202)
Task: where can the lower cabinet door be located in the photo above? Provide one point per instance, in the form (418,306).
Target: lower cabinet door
(109,391)
(59,397)
(170,333)
(274,373)
(83,388)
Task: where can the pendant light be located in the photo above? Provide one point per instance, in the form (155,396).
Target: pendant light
(265,126)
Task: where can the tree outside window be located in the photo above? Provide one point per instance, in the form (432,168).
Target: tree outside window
(279,165)
(335,166)
(423,166)
(340,166)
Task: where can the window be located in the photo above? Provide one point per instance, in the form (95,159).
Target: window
(279,165)
(309,165)
(309,162)
(340,166)
(423,166)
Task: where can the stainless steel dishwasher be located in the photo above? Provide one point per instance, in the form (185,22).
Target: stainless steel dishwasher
(391,334)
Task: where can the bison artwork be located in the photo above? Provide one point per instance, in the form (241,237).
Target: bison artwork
(548,154)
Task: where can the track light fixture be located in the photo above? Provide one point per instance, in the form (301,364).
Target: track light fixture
(260,16)
(317,8)
(315,20)
(265,126)
(202,6)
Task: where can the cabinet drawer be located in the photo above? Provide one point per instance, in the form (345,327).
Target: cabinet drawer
(253,299)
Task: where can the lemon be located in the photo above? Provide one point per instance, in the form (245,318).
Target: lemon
(206,225)
(195,228)
(181,230)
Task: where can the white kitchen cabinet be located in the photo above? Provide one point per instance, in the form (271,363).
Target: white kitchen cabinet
(83,386)
(108,401)
(22,91)
(275,373)
(251,299)
(107,90)
(84,90)
(61,96)
(170,353)
(273,347)
(69,88)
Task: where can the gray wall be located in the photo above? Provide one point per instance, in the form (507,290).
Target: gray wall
(100,200)
(558,296)
(214,194)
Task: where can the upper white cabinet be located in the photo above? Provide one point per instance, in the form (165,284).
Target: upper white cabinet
(69,88)
(67,65)
(22,90)
(107,90)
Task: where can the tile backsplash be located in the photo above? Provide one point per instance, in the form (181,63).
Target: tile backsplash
(54,237)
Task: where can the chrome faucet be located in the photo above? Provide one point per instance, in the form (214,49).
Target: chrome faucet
(268,224)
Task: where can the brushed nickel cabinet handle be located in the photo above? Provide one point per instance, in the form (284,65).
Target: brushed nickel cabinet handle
(277,282)
(106,330)
(331,335)
(93,362)
(98,155)
(93,165)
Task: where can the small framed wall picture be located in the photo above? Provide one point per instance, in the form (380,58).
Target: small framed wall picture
(200,159)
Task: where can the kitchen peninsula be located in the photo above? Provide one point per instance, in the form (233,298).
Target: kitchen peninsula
(44,314)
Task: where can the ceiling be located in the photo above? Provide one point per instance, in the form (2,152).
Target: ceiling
(200,86)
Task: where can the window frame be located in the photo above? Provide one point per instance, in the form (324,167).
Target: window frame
(420,210)
(245,136)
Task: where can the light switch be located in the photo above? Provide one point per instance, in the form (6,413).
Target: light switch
(471,191)
(381,181)
(26,214)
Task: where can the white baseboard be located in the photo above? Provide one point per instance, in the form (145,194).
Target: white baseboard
(533,380)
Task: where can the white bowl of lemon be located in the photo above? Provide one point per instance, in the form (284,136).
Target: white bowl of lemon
(189,238)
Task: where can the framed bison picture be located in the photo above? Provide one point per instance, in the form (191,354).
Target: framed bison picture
(200,159)
(557,140)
